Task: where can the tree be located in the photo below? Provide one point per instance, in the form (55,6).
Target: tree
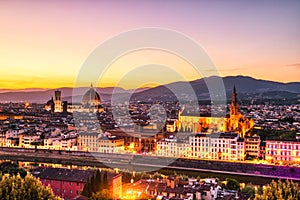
(12,169)
(87,189)
(102,195)
(14,187)
(249,189)
(93,184)
(279,190)
(105,180)
(232,184)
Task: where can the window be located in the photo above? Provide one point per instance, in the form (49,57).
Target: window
(71,191)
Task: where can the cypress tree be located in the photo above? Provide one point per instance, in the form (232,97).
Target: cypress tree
(87,189)
(93,184)
(105,181)
(98,181)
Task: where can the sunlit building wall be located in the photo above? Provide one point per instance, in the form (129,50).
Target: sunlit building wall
(172,148)
(217,146)
(282,151)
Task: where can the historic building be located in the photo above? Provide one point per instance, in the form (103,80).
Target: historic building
(57,101)
(68,183)
(49,105)
(234,122)
(252,146)
(91,101)
(281,151)
(173,147)
(217,146)
(87,141)
(110,144)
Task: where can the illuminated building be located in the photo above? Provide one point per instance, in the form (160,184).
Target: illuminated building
(29,139)
(110,144)
(2,137)
(135,142)
(97,142)
(59,143)
(282,151)
(57,101)
(252,146)
(235,122)
(87,141)
(50,105)
(91,101)
(68,183)
(172,148)
(217,146)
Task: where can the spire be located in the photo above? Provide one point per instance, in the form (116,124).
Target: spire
(233,99)
(234,103)
(234,91)
(91,85)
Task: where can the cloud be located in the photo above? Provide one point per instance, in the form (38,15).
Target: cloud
(224,70)
(296,65)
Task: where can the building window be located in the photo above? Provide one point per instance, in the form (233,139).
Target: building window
(71,191)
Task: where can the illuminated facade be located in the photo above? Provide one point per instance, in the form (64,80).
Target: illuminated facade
(87,141)
(217,146)
(91,101)
(235,122)
(283,151)
(110,144)
(173,148)
(252,146)
(57,101)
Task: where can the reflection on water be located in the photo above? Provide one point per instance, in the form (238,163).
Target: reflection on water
(32,165)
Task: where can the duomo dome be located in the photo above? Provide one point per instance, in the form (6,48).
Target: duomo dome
(91,97)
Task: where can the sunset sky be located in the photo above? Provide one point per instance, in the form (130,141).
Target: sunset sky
(43,44)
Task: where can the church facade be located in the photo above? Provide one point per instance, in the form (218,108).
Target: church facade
(234,122)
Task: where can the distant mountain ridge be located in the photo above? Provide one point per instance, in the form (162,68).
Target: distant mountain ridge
(245,85)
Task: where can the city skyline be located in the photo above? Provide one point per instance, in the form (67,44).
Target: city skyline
(44,44)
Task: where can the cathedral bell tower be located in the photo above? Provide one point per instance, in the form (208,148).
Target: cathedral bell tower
(234,108)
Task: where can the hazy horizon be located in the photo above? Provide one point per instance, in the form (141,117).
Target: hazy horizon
(2,90)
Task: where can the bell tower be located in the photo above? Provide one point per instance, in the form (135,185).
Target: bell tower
(234,107)
(57,101)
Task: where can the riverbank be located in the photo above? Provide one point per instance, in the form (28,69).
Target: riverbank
(152,163)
